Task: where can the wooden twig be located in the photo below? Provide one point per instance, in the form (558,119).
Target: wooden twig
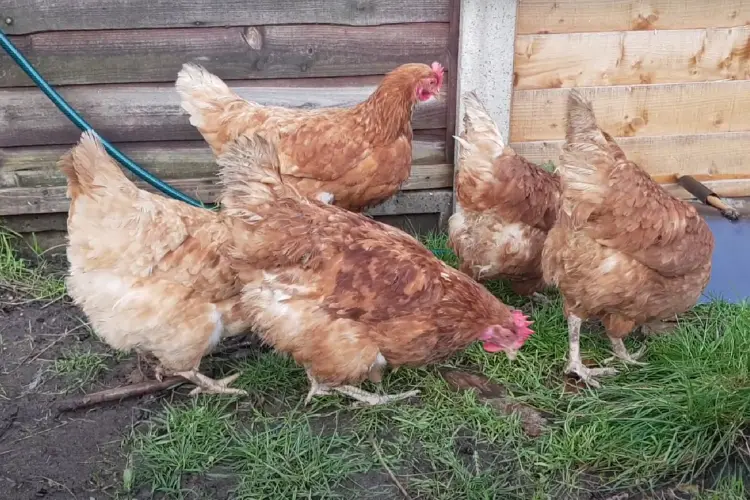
(119,393)
(388,469)
(150,386)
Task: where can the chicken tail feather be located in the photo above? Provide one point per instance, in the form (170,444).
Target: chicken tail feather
(88,167)
(477,120)
(250,173)
(208,100)
(581,122)
(480,142)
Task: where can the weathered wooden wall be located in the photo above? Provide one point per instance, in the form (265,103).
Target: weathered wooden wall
(116,62)
(669,78)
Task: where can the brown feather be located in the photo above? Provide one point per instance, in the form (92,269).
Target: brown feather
(360,155)
(505,206)
(623,249)
(338,290)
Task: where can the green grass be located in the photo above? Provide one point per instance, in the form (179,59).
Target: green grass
(21,277)
(678,423)
(79,367)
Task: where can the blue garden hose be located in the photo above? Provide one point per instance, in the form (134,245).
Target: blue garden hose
(82,124)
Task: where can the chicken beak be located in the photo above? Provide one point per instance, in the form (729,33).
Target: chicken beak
(511,353)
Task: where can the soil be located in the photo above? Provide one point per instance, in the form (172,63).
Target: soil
(44,454)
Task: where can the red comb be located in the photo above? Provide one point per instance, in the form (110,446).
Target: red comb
(522,324)
(437,68)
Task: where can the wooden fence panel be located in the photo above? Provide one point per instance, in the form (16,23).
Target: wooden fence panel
(36,166)
(544,16)
(292,51)
(631,57)
(670,79)
(131,113)
(31,16)
(116,63)
(641,110)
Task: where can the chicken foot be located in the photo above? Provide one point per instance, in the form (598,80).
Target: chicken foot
(575,364)
(621,353)
(368,398)
(371,399)
(207,385)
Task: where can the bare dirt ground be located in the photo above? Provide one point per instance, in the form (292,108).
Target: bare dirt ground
(45,454)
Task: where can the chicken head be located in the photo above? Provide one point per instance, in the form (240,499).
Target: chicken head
(508,338)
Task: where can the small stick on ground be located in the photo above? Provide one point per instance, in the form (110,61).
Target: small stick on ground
(120,393)
(388,469)
(142,388)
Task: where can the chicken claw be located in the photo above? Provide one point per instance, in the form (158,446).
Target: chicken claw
(316,389)
(208,385)
(364,397)
(369,399)
(621,353)
(588,375)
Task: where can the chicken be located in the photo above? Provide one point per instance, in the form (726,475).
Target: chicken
(623,250)
(353,157)
(505,205)
(343,294)
(150,273)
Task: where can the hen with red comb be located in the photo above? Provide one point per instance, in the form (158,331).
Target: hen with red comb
(353,157)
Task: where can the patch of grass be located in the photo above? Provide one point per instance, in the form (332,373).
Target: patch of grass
(79,367)
(548,165)
(187,439)
(21,277)
(671,422)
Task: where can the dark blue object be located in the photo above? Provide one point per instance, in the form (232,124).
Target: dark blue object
(78,120)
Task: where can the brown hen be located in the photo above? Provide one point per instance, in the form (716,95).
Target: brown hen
(343,294)
(622,250)
(150,273)
(505,205)
(353,157)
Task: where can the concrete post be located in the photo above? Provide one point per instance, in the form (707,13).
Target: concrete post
(485,58)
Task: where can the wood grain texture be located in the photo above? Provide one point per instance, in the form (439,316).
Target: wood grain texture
(451,86)
(31,16)
(631,57)
(52,199)
(725,154)
(291,51)
(643,110)
(545,16)
(36,166)
(133,113)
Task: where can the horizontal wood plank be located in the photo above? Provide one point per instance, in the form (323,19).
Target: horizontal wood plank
(545,16)
(36,166)
(292,51)
(31,16)
(52,199)
(642,110)
(133,113)
(631,57)
(726,154)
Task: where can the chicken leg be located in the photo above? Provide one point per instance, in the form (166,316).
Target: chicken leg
(207,385)
(575,364)
(368,398)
